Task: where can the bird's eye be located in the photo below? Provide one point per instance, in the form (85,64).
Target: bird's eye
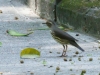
(50,22)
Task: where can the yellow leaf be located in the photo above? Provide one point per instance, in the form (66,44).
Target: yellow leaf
(29,53)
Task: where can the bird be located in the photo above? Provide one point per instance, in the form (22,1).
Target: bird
(62,37)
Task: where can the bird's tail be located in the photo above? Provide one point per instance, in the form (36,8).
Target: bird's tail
(76,45)
(79,47)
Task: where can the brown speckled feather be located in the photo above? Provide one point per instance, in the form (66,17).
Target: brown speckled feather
(63,35)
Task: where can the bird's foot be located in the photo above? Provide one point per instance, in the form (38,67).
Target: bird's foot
(63,55)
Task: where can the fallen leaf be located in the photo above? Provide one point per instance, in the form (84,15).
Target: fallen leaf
(89,55)
(90,59)
(16,18)
(41,29)
(83,71)
(1,11)
(21,61)
(63,28)
(14,33)
(29,53)
(57,68)
(44,62)
(0,43)
(65,59)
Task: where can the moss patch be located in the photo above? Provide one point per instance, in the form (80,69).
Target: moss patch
(79,4)
(52,1)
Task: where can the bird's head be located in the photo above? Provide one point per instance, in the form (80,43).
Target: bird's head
(49,23)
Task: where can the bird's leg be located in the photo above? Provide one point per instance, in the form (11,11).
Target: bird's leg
(64,51)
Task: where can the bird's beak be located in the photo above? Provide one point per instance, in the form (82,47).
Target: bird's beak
(44,23)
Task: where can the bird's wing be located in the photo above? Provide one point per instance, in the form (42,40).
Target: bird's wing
(61,34)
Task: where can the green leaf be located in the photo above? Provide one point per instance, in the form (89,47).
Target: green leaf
(29,53)
(42,29)
(72,62)
(14,33)
(44,62)
(82,73)
(60,27)
(0,44)
(64,28)
(89,55)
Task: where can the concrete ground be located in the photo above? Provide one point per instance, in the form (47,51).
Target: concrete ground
(49,62)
